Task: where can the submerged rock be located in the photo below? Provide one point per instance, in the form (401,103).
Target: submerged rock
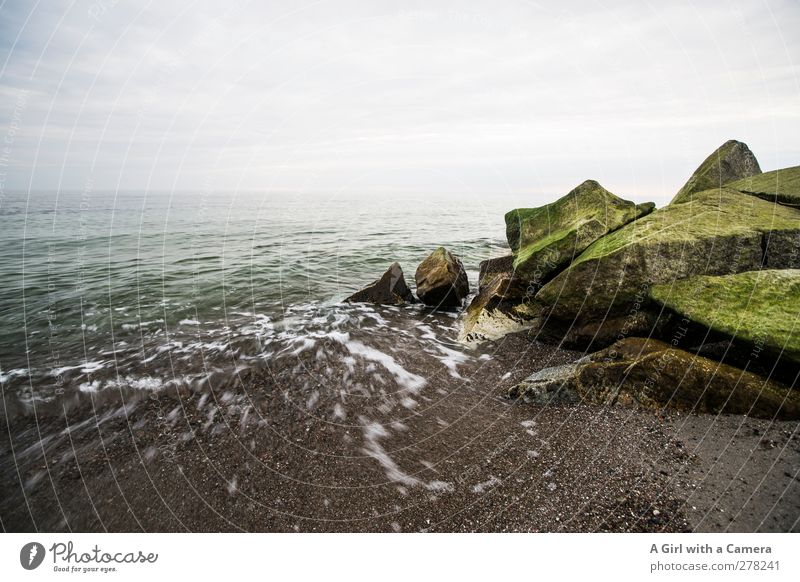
(759,308)
(390,289)
(781,186)
(733,160)
(442,280)
(653,374)
(545,239)
(604,294)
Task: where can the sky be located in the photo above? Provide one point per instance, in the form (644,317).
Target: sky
(387,98)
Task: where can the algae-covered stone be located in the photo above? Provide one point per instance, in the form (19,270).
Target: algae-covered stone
(782,186)
(498,309)
(545,239)
(760,308)
(390,289)
(442,280)
(733,160)
(653,374)
(604,292)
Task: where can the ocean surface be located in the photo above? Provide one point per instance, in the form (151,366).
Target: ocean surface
(108,293)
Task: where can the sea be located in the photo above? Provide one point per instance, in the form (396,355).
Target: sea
(111,293)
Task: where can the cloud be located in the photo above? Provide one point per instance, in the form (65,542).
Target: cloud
(383,96)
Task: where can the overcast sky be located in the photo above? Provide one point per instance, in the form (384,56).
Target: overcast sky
(391,97)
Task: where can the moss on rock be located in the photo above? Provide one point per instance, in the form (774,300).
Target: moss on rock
(733,160)
(653,374)
(782,186)
(720,232)
(545,239)
(760,308)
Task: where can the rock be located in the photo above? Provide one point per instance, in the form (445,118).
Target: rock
(781,186)
(653,374)
(442,280)
(390,289)
(545,239)
(604,294)
(758,308)
(498,309)
(733,160)
(490,268)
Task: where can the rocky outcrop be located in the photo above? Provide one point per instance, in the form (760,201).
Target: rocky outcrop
(653,374)
(733,160)
(498,309)
(781,186)
(390,289)
(604,294)
(757,308)
(442,280)
(545,239)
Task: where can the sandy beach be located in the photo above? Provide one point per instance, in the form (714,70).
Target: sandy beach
(463,459)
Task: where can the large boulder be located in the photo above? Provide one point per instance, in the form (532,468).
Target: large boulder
(442,280)
(390,289)
(781,186)
(545,239)
(733,160)
(758,308)
(655,375)
(603,295)
(500,307)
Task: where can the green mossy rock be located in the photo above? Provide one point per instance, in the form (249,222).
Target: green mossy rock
(441,280)
(733,160)
(604,293)
(759,308)
(545,239)
(653,374)
(782,186)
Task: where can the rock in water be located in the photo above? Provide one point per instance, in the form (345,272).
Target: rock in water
(390,289)
(733,160)
(652,374)
(758,308)
(603,295)
(545,239)
(442,280)
(781,186)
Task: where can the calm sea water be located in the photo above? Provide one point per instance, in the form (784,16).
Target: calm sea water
(103,292)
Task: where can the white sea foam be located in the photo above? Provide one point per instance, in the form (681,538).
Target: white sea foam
(16,373)
(373,432)
(481,487)
(408,380)
(86,368)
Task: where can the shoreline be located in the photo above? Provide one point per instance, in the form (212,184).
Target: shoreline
(465,459)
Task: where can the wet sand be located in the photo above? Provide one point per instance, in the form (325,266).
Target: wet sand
(277,451)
